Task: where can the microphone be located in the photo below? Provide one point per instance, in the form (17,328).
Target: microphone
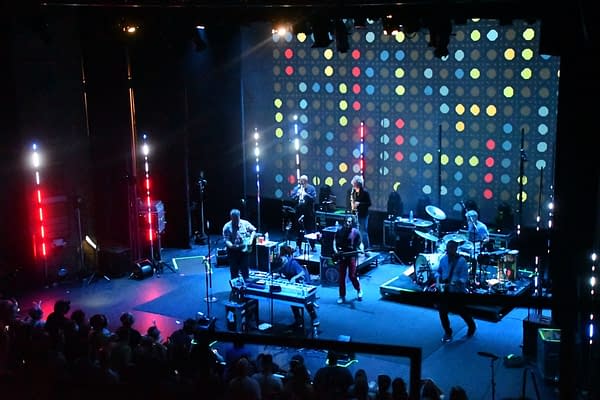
(488,355)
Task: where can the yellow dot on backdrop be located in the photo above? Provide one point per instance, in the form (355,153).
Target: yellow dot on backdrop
(509,54)
(459,160)
(399,73)
(278,103)
(342,182)
(328,54)
(491,110)
(508,91)
(526,73)
(475,35)
(460,126)
(301,37)
(343,88)
(474,161)
(444,159)
(328,181)
(527,54)
(475,109)
(278,117)
(400,90)
(428,158)
(343,105)
(343,121)
(343,167)
(475,73)
(400,36)
(328,71)
(529,34)
(459,109)
(278,133)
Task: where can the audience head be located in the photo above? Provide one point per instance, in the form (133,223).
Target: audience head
(62,306)
(457,393)
(127,319)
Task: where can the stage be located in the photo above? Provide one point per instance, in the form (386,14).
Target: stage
(405,288)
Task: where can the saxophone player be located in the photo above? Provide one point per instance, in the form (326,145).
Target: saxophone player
(304,195)
(360,202)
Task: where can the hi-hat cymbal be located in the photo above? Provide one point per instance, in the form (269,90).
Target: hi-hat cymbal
(435,212)
(427,236)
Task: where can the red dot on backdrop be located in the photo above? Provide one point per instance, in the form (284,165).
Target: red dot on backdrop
(488,194)
(490,144)
(289,70)
(356,105)
(356,72)
(399,156)
(399,123)
(356,54)
(488,178)
(399,140)
(489,162)
(289,53)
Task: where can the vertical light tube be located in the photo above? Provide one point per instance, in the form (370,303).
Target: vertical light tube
(361,161)
(39,235)
(146,151)
(297,148)
(257,158)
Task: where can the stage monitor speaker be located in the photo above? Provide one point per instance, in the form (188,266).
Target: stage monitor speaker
(142,269)
(330,274)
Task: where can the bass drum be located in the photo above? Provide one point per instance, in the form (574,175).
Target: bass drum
(425,266)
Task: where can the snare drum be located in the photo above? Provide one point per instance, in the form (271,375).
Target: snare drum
(425,266)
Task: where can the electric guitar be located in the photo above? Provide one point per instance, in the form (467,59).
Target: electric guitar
(247,241)
(343,254)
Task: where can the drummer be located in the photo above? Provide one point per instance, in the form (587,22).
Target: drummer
(477,231)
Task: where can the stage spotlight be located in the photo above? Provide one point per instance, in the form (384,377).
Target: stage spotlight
(199,38)
(320,32)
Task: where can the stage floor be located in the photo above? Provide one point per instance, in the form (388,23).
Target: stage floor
(403,288)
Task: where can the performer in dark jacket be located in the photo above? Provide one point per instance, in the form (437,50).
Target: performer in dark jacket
(346,245)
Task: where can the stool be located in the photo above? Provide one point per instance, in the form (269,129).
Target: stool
(238,315)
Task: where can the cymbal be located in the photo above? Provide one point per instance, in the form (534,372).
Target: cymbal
(427,236)
(435,212)
(421,223)
(455,237)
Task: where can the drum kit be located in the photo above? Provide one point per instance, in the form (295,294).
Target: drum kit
(426,263)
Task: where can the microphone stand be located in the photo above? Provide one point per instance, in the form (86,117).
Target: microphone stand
(493,359)
(208,275)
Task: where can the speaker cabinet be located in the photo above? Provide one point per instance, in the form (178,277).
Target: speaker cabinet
(330,274)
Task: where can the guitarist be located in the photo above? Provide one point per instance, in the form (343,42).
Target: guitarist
(238,235)
(346,244)
(452,276)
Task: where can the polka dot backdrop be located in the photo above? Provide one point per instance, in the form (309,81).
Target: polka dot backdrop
(493,90)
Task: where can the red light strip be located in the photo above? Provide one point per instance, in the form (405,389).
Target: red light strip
(148,197)
(41,243)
